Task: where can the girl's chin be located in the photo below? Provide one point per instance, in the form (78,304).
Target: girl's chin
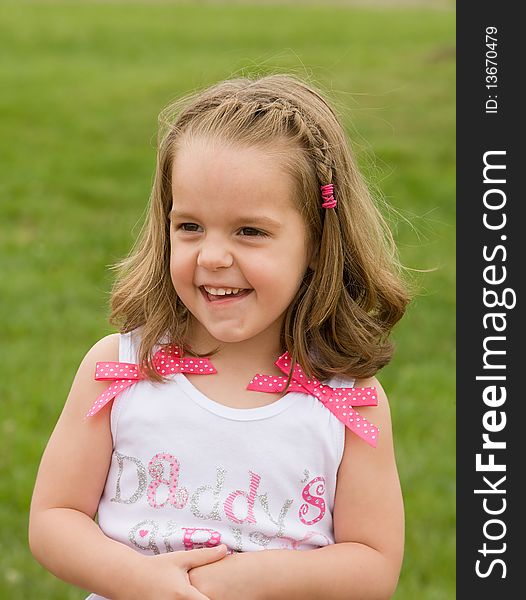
(207,338)
(226,338)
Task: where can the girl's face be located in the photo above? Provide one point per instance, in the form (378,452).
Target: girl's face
(234,228)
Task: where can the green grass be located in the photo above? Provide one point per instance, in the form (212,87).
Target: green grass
(82,84)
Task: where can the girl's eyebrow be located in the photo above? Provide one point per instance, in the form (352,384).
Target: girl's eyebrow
(243,220)
(175,214)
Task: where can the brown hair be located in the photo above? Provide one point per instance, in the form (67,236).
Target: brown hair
(344,310)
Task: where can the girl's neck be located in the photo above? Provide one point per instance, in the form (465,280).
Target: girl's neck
(236,363)
(256,354)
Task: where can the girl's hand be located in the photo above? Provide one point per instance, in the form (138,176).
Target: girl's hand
(165,576)
(236,577)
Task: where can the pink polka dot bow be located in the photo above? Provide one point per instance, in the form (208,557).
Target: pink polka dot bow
(166,361)
(338,400)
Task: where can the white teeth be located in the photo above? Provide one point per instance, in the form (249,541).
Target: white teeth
(221,291)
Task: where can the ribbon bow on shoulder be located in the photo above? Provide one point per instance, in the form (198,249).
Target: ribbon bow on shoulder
(169,360)
(338,400)
(166,361)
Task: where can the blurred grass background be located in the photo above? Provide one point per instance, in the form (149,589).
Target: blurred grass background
(82,84)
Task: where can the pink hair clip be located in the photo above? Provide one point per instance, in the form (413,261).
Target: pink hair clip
(327,195)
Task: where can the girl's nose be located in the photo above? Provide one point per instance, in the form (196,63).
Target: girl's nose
(214,255)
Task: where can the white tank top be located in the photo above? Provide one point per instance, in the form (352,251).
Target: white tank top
(188,472)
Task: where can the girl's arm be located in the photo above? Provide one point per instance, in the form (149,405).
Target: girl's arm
(365,562)
(63,536)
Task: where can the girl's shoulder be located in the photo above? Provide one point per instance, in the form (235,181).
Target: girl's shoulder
(84,386)
(107,347)
(383,402)
(367,382)
(349,381)
(379,415)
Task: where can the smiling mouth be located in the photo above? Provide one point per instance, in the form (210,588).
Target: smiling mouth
(224,296)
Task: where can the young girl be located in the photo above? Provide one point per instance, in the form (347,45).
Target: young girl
(253,314)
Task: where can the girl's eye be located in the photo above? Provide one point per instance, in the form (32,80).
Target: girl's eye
(189,227)
(252,232)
